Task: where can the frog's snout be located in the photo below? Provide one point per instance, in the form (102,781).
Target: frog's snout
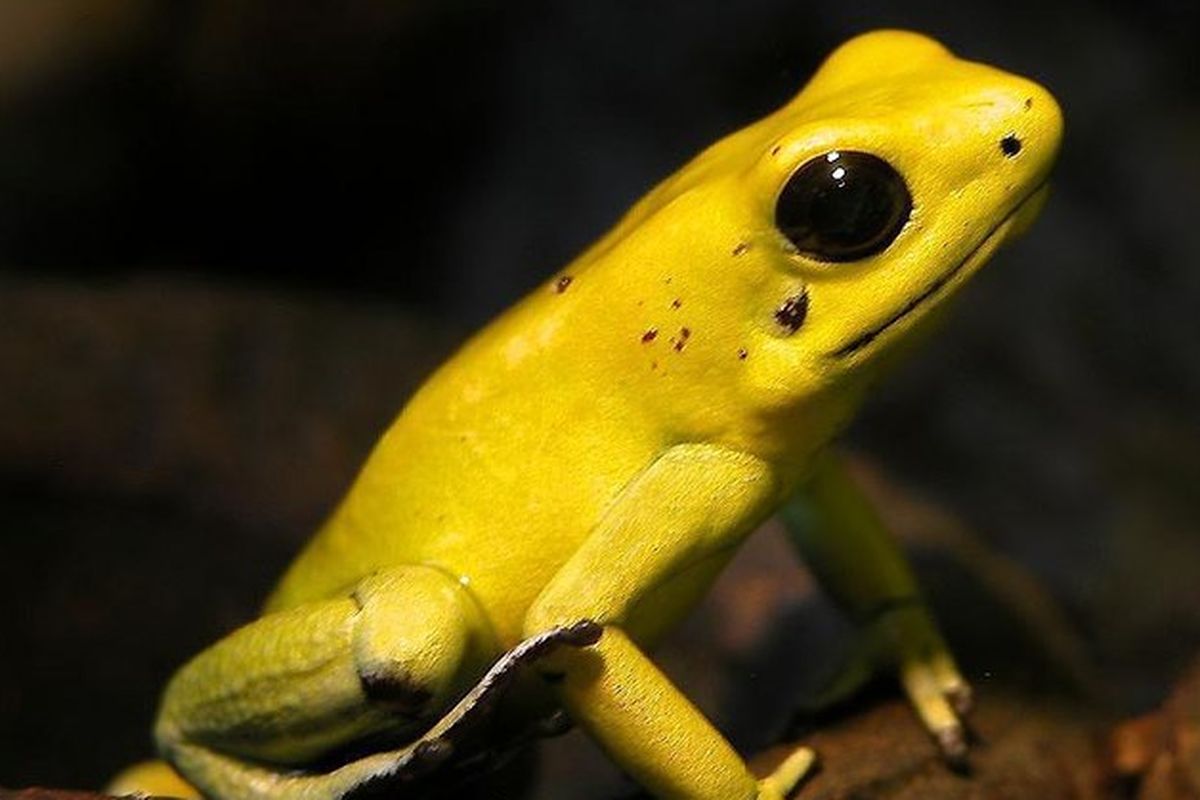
(1027,130)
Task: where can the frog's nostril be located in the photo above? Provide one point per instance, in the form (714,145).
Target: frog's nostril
(1010,145)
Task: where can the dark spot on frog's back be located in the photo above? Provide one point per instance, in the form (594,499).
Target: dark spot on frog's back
(1010,145)
(650,335)
(742,353)
(791,313)
(681,341)
(676,303)
(741,248)
(562,284)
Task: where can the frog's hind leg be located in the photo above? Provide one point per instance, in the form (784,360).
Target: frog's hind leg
(301,685)
(379,774)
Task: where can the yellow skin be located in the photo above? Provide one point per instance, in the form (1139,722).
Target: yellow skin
(599,451)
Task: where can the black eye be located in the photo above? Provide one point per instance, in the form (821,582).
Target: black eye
(843,206)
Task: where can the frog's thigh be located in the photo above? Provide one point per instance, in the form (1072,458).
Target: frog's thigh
(292,686)
(416,627)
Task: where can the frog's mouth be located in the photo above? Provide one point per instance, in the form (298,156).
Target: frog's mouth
(1012,224)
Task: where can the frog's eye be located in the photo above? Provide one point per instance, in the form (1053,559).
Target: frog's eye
(843,206)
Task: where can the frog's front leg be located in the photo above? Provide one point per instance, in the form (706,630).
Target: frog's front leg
(296,686)
(681,517)
(859,564)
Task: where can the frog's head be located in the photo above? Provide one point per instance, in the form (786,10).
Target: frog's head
(787,262)
(871,198)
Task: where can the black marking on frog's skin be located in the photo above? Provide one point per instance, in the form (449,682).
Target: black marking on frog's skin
(1028,103)
(870,336)
(930,290)
(791,314)
(676,303)
(562,284)
(445,737)
(866,338)
(650,335)
(741,248)
(1010,145)
(394,691)
(742,353)
(681,341)
(775,150)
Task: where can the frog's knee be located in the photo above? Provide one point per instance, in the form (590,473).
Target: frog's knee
(416,636)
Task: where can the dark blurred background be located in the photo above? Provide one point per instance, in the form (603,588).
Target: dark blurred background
(234,234)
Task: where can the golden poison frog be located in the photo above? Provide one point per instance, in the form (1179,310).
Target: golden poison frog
(566,486)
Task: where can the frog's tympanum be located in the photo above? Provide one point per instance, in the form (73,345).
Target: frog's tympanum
(563,489)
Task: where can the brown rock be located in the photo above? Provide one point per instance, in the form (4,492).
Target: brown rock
(1023,749)
(1158,755)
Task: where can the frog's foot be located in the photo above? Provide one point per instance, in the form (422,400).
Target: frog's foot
(903,635)
(378,774)
(445,738)
(941,699)
(784,778)
(479,702)
(901,639)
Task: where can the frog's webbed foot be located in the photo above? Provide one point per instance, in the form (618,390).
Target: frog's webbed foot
(901,639)
(443,742)
(380,774)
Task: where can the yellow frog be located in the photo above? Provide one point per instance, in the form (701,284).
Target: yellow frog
(569,484)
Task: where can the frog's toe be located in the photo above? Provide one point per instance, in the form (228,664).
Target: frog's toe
(938,709)
(960,696)
(954,687)
(785,777)
(952,743)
